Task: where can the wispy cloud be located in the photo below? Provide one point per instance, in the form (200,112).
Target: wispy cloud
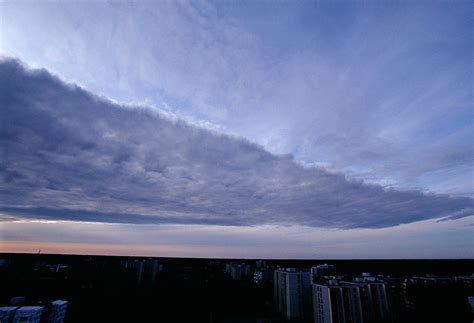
(70,155)
(378,89)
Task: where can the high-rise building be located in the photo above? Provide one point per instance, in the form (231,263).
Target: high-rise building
(373,296)
(137,267)
(7,313)
(292,293)
(263,276)
(364,300)
(152,268)
(336,302)
(28,314)
(238,270)
(470,300)
(466,281)
(58,311)
(260,264)
(146,270)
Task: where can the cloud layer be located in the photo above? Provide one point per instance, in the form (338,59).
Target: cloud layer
(67,154)
(378,90)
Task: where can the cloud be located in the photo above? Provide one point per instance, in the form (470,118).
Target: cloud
(70,155)
(381,90)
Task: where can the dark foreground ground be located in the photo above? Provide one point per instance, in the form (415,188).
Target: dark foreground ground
(133,289)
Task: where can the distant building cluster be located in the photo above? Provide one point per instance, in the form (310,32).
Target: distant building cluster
(238,270)
(145,270)
(310,295)
(51,313)
(318,296)
(321,270)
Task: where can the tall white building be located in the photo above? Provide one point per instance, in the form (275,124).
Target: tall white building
(28,314)
(374,301)
(292,293)
(337,302)
(350,302)
(374,297)
(58,311)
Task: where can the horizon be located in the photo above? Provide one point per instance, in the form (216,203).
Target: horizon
(39,253)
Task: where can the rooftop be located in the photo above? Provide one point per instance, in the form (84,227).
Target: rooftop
(30,308)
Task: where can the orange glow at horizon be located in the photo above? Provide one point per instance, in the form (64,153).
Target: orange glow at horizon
(95,249)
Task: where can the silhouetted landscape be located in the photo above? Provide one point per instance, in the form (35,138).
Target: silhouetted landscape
(137,289)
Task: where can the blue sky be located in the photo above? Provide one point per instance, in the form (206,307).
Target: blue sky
(276,116)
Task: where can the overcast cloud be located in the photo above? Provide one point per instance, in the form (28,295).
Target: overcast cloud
(67,154)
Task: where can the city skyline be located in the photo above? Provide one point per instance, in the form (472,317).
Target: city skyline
(237,130)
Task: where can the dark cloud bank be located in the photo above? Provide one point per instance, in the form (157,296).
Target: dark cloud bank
(69,155)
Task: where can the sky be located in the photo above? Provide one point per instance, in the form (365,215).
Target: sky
(247,129)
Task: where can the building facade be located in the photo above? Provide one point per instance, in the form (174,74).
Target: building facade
(7,313)
(58,311)
(360,301)
(337,302)
(292,293)
(238,270)
(28,314)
